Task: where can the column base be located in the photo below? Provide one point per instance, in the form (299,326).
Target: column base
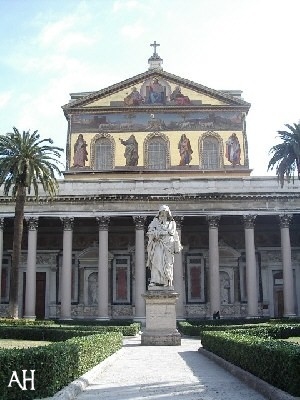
(30,317)
(289,315)
(102,319)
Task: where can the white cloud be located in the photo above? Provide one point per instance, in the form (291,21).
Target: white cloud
(64,35)
(5,98)
(134,30)
(120,5)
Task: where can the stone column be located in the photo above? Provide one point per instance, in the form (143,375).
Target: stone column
(140,269)
(214,273)
(178,274)
(1,251)
(30,293)
(103,269)
(66,273)
(251,275)
(288,280)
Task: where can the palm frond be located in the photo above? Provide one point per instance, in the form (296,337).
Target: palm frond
(286,155)
(27,160)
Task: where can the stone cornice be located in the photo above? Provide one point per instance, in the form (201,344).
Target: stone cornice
(146,197)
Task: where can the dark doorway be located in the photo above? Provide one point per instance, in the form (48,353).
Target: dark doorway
(40,294)
(278,303)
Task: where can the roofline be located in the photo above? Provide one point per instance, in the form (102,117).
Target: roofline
(90,96)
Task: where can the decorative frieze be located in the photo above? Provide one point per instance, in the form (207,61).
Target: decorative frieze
(139,222)
(46,259)
(285,220)
(42,259)
(249,221)
(67,223)
(103,223)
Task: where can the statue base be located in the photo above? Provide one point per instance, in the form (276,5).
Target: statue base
(161,317)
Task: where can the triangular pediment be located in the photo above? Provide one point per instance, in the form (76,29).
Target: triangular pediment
(154,88)
(227,252)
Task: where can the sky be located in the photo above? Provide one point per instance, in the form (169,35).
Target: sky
(51,48)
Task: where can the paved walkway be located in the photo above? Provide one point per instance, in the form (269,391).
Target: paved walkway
(160,373)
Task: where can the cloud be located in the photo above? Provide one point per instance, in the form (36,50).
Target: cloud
(121,5)
(5,98)
(65,35)
(134,30)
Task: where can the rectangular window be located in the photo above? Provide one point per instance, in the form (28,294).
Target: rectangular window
(157,154)
(103,154)
(121,279)
(210,153)
(195,278)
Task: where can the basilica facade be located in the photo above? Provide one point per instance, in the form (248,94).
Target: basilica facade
(150,140)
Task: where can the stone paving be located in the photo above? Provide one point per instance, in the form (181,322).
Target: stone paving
(160,372)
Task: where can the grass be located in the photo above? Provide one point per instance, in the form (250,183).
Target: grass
(295,340)
(21,344)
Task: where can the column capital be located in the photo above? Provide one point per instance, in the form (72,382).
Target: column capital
(213,220)
(139,222)
(285,220)
(32,223)
(1,223)
(249,221)
(67,223)
(179,221)
(103,223)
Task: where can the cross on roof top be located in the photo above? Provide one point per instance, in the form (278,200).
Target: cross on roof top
(154,45)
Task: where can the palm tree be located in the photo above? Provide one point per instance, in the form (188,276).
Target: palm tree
(25,161)
(286,155)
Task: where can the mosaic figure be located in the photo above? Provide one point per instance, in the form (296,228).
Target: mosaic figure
(80,152)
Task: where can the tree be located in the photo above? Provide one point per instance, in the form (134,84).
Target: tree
(286,155)
(26,161)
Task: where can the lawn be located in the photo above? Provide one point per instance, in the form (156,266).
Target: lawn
(21,344)
(295,340)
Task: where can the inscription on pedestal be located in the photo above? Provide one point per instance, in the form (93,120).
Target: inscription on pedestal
(161,318)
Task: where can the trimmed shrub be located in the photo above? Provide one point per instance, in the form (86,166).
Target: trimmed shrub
(55,365)
(274,361)
(59,333)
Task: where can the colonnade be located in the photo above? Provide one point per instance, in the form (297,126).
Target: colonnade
(140,271)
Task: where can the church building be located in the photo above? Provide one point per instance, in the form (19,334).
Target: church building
(156,139)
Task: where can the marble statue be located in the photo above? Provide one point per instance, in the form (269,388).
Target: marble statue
(163,243)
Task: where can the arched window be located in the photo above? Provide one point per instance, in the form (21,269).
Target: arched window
(157,154)
(156,151)
(211,151)
(102,152)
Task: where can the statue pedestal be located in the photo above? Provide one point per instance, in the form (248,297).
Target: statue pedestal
(160,318)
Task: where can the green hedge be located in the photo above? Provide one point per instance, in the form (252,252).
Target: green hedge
(24,321)
(274,361)
(279,331)
(190,329)
(55,365)
(283,328)
(59,333)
